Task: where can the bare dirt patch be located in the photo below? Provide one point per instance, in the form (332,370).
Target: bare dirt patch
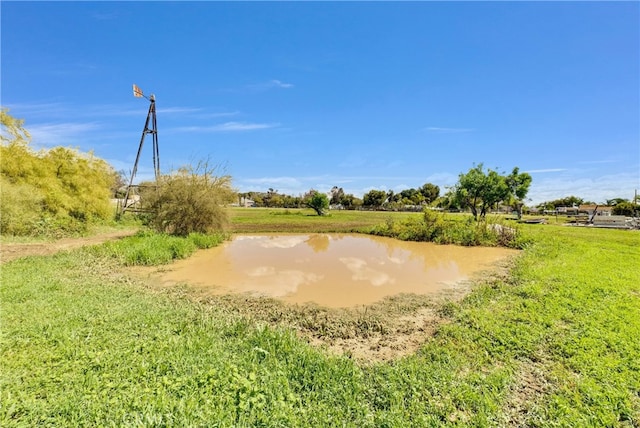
(527,393)
(12,251)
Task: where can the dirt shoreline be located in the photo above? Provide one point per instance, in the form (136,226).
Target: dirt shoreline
(13,251)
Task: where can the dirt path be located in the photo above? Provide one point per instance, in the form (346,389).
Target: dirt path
(13,251)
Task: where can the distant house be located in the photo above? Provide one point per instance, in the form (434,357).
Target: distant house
(598,209)
(567,210)
(244,202)
(504,209)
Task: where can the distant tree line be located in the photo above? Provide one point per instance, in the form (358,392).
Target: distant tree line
(476,190)
(337,198)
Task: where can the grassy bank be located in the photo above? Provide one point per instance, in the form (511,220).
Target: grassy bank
(459,229)
(147,248)
(83,344)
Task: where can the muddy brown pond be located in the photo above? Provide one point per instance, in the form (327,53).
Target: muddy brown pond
(333,270)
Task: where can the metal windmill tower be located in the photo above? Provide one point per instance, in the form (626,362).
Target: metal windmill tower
(132,199)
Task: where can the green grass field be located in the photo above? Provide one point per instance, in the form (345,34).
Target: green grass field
(249,220)
(553,344)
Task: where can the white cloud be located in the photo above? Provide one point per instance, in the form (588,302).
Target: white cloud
(271,84)
(273,181)
(541,171)
(53,109)
(221,114)
(597,189)
(597,162)
(178,110)
(442,179)
(64,134)
(227,127)
(438,130)
(279,84)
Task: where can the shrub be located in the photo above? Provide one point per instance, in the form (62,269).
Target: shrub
(317,201)
(20,206)
(51,192)
(624,208)
(148,248)
(436,227)
(189,200)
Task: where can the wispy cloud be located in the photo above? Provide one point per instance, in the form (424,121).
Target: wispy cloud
(279,84)
(37,109)
(220,114)
(271,84)
(274,181)
(438,130)
(228,127)
(71,69)
(442,179)
(597,162)
(116,110)
(541,171)
(52,134)
(597,188)
(171,110)
(56,109)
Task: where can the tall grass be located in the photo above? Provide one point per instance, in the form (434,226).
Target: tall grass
(445,229)
(148,248)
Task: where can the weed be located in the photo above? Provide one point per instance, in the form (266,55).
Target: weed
(148,248)
(443,229)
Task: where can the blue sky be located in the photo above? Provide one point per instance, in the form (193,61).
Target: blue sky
(299,95)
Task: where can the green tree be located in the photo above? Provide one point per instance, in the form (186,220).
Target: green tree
(188,200)
(374,198)
(271,198)
(479,190)
(518,183)
(624,208)
(412,196)
(615,201)
(430,192)
(14,131)
(350,202)
(448,201)
(568,201)
(317,201)
(337,193)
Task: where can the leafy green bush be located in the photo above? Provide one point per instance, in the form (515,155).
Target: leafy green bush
(50,192)
(437,227)
(189,200)
(317,201)
(19,207)
(624,208)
